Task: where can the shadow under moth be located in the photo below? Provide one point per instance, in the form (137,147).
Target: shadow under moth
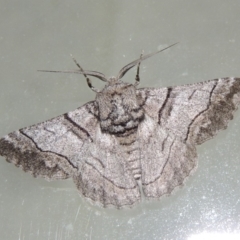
(129,142)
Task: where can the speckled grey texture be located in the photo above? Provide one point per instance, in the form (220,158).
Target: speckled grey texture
(126,139)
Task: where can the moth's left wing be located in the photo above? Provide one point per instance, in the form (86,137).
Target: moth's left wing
(51,149)
(194,112)
(73,145)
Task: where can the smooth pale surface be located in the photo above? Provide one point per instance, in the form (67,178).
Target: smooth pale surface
(104,36)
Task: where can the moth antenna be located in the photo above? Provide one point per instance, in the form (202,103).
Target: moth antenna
(126,68)
(96,74)
(85,75)
(137,78)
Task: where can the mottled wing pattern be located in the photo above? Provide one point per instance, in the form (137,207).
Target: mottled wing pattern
(50,149)
(159,150)
(166,161)
(72,145)
(194,112)
(178,118)
(105,177)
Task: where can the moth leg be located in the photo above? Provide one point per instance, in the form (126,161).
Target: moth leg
(85,75)
(137,78)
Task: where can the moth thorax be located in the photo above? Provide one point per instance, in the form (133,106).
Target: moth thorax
(121,117)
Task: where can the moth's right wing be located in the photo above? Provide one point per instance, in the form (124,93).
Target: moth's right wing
(176,119)
(193,112)
(166,161)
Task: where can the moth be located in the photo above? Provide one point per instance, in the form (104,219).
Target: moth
(129,142)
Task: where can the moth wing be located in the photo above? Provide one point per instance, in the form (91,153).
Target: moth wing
(50,149)
(72,145)
(194,112)
(104,176)
(166,161)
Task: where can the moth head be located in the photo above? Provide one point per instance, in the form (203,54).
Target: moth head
(113,80)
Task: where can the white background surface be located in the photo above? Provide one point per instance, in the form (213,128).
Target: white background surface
(105,35)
